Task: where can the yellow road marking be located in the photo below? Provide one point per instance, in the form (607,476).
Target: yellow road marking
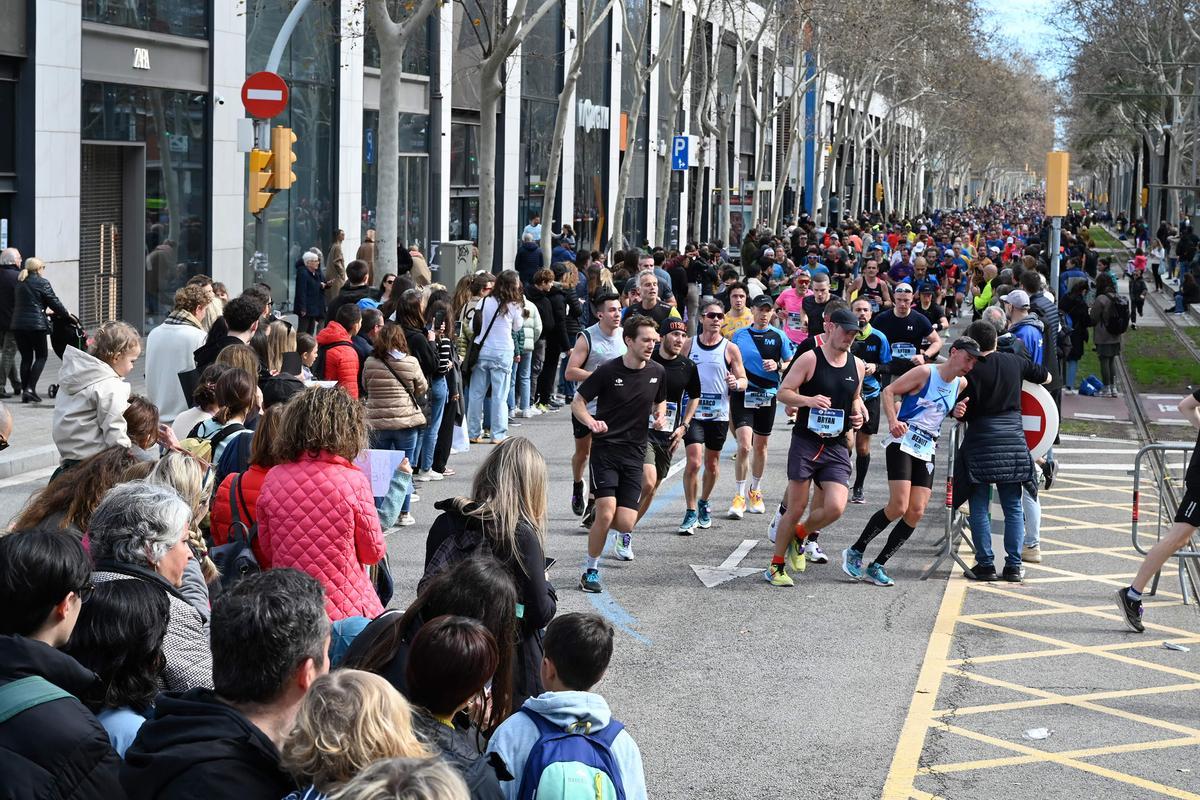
(1090,752)
(1017,705)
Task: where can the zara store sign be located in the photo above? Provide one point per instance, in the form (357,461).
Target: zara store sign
(590,117)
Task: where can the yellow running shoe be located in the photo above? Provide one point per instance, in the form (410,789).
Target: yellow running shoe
(756,504)
(796,559)
(737,508)
(776,575)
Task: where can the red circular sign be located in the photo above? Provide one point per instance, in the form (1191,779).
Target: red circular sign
(1039,418)
(265,95)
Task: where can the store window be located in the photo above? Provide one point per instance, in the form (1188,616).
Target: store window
(464,181)
(633,223)
(413,177)
(541,63)
(593,120)
(178,17)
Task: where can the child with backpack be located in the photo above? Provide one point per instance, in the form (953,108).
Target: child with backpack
(569,727)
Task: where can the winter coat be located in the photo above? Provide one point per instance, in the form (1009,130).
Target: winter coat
(1076,310)
(169,349)
(1031,333)
(341,363)
(8,294)
(423,350)
(278,388)
(1101,307)
(206,354)
(1041,304)
(457,747)
(310,296)
(528,569)
(541,301)
(200,748)
(56,749)
(574,317)
(90,407)
(516,736)
(420,273)
(31,298)
(335,271)
(561,254)
(528,262)
(995,451)
(185,647)
(390,405)
(347,296)
(317,515)
(532,324)
(221,516)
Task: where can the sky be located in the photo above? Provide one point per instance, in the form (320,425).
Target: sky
(1024,24)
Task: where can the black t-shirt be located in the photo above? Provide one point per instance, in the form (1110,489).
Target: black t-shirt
(816,314)
(909,330)
(680,376)
(994,384)
(934,313)
(659,313)
(1192,478)
(624,399)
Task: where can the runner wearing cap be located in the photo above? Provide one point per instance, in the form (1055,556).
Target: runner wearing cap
(681,379)
(927,305)
(928,393)
(873,348)
(907,331)
(827,386)
(764,350)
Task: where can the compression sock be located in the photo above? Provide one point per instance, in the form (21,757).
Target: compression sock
(861,465)
(741,488)
(755,482)
(874,527)
(1133,594)
(896,540)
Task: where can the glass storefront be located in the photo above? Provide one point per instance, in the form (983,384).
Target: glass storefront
(633,222)
(593,119)
(416,49)
(412,224)
(174,126)
(464,181)
(541,54)
(178,17)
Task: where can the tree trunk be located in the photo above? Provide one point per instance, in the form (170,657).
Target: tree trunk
(491,90)
(635,115)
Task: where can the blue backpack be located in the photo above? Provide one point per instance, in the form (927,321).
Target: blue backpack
(563,765)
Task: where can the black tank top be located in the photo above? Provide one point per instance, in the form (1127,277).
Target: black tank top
(839,384)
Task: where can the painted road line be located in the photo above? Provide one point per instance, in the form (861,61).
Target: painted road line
(1106,417)
(621,619)
(1076,451)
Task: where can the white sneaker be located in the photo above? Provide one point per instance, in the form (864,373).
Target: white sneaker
(406,520)
(429,475)
(815,554)
(533,411)
(414,498)
(623,546)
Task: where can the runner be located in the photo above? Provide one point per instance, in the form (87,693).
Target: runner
(739,316)
(681,377)
(764,351)
(624,391)
(789,307)
(720,368)
(928,307)
(928,394)
(872,287)
(826,384)
(875,351)
(906,331)
(595,345)
(814,304)
(648,304)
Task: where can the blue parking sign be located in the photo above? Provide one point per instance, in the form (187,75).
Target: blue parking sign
(679,154)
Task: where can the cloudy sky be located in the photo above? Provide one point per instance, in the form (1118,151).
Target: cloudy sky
(1025,24)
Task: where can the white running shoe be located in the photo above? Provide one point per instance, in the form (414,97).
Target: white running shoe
(814,553)
(406,520)
(623,546)
(771,531)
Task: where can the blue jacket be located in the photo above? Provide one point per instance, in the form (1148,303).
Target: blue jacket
(513,740)
(1031,332)
(562,254)
(529,261)
(310,297)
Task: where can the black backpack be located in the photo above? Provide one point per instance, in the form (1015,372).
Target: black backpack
(463,542)
(235,559)
(1116,322)
(318,367)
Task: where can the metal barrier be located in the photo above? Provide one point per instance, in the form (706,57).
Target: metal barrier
(1189,568)
(956,526)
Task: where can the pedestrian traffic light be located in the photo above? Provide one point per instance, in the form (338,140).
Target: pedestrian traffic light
(259,195)
(282,140)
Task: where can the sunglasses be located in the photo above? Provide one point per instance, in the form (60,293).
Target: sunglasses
(85,593)
(714,315)
(3,443)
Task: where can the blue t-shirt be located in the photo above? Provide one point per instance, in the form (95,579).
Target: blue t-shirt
(755,345)
(122,725)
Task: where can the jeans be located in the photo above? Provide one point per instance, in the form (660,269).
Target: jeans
(1180,306)
(518,389)
(438,392)
(1031,509)
(33,347)
(1072,369)
(981,523)
(402,440)
(492,372)
(8,360)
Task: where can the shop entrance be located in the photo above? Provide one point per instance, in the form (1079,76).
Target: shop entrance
(111,235)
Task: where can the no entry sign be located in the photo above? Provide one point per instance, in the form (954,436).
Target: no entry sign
(1039,418)
(264,95)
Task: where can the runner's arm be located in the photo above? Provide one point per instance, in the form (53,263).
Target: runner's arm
(579,410)
(1190,408)
(935,345)
(733,358)
(579,353)
(799,374)
(907,383)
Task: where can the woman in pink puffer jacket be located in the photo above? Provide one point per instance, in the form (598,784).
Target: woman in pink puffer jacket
(315,511)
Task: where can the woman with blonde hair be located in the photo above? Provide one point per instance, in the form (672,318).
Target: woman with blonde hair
(507,512)
(316,512)
(32,297)
(405,779)
(348,720)
(188,478)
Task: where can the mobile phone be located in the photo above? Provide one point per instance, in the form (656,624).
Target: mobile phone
(550,562)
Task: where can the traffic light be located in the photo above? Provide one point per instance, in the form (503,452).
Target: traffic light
(879,192)
(282,140)
(259,196)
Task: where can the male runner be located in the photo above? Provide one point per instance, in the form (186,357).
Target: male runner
(827,386)
(596,344)
(789,307)
(928,308)
(764,350)
(648,304)
(875,351)
(625,391)
(906,332)
(720,366)
(872,287)
(739,316)
(681,376)
(929,392)
(814,304)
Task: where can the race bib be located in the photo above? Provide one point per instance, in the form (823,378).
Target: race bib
(711,406)
(757,399)
(795,321)
(668,418)
(827,422)
(874,304)
(903,350)
(918,443)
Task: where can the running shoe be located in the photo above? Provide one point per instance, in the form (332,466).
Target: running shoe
(577,498)
(796,558)
(623,546)
(814,552)
(857,497)
(776,575)
(589,516)
(703,518)
(1131,610)
(852,563)
(877,576)
(755,504)
(737,509)
(405,520)
(590,581)
(774,528)
(688,526)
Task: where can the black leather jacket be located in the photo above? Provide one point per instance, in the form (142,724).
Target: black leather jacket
(31,299)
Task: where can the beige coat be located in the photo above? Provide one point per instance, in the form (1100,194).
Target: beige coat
(390,407)
(335,271)
(421,274)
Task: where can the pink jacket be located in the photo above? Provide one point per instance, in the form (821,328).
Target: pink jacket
(317,515)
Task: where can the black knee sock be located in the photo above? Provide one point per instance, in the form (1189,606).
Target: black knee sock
(875,526)
(861,465)
(895,541)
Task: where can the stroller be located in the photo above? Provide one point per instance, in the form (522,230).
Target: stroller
(65,331)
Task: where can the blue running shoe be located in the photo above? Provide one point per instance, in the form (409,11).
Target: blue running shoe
(688,526)
(877,576)
(852,563)
(704,520)
(590,581)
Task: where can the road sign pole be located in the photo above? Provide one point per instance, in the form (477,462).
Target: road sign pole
(1055,247)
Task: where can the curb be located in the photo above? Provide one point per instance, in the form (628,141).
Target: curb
(27,460)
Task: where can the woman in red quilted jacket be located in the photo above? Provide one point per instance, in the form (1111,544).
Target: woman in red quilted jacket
(262,458)
(315,511)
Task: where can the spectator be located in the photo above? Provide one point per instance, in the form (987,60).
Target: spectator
(364,340)
(578,650)
(384,292)
(316,512)
(204,402)
(518,380)
(420,274)
(309,304)
(272,346)
(498,318)
(335,342)
(90,407)
(33,297)
(270,639)
(1187,294)
(1074,308)
(241,318)
(141,426)
(347,721)
(306,346)
(335,266)
(529,259)
(357,288)
(235,393)
(55,748)
(66,504)
(533,230)
(119,636)
(249,484)
(551,302)
(169,349)
(443,386)
(405,779)
(10,268)
(366,253)
(1108,344)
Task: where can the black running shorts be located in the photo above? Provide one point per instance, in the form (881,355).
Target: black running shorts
(1189,507)
(871,426)
(903,467)
(761,420)
(616,474)
(709,432)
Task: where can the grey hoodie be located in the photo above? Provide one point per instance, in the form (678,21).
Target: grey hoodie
(89,412)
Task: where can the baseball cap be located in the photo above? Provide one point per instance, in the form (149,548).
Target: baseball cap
(674,324)
(763,301)
(903,288)
(967,345)
(845,319)
(925,287)
(1018,298)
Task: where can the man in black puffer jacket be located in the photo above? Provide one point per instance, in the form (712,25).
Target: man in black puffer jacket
(994,451)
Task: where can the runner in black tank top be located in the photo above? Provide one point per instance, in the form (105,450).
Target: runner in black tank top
(841,385)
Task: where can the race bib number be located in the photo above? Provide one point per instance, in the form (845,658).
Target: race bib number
(903,350)
(874,304)
(795,321)
(711,405)
(918,443)
(757,399)
(668,417)
(827,422)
